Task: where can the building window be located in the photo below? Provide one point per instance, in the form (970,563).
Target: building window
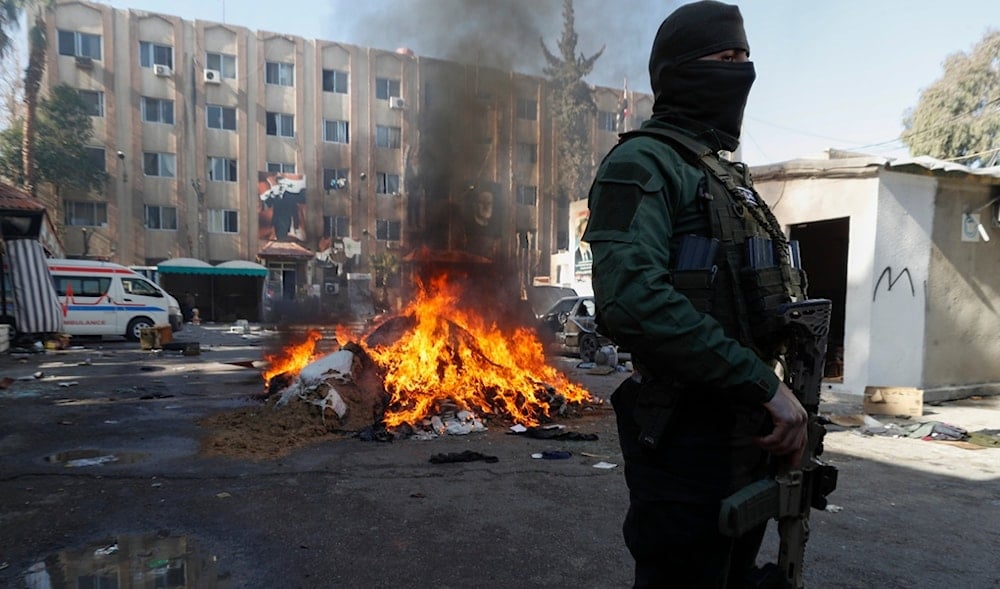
(158,217)
(94,100)
(527,195)
(334,178)
(335,81)
(221,169)
(280,124)
(151,54)
(159,164)
(527,153)
(220,117)
(225,64)
(386,230)
(607,121)
(279,74)
(157,110)
(223,221)
(386,87)
(98,157)
(386,183)
(281,167)
(388,137)
(336,226)
(527,109)
(77,44)
(86,214)
(336,131)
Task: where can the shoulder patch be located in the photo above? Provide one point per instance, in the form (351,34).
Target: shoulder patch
(627,172)
(614,207)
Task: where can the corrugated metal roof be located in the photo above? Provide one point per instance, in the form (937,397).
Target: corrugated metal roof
(862,165)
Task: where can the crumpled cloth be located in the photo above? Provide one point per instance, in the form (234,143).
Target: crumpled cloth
(543,433)
(466,456)
(936,430)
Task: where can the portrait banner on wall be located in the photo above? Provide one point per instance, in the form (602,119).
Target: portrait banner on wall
(579,214)
(282,207)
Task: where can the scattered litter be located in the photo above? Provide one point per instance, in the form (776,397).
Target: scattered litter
(936,430)
(586,365)
(86,362)
(989,438)
(466,456)
(4,565)
(95,461)
(71,383)
(111,421)
(159,563)
(418,496)
(553,455)
(6,382)
(600,370)
(517,428)
(556,433)
(605,465)
(591,455)
(333,401)
(34,376)
(65,422)
(223,495)
(107,550)
(831,508)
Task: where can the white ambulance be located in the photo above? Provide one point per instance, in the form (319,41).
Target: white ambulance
(102,298)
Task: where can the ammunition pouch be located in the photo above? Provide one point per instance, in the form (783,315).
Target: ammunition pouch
(697,285)
(655,405)
(764,290)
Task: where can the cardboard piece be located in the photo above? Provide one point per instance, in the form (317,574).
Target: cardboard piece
(894,401)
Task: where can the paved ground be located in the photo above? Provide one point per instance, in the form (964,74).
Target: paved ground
(347,513)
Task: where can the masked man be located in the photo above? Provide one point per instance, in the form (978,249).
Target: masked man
(671,223)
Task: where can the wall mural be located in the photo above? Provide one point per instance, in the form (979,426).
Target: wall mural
(282,207)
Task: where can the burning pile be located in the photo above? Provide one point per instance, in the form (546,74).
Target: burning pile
(434,356)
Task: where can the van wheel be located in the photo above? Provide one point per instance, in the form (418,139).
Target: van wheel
(136,326)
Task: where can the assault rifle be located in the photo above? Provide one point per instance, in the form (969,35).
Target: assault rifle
(791,492)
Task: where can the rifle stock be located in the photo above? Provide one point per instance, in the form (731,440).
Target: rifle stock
(790,494)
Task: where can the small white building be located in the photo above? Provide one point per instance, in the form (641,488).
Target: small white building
(903,248)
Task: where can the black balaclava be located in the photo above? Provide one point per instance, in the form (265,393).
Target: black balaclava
(707,97)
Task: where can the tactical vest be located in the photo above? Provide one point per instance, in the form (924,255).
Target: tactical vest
(741,295)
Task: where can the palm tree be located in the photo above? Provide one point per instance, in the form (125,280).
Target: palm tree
(32,84)
(10,15)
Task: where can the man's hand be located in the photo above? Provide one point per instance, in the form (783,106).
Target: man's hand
(790,420)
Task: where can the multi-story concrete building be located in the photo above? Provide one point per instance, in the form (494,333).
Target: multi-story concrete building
(306,156)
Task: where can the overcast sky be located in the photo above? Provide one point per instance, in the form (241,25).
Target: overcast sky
(829,74)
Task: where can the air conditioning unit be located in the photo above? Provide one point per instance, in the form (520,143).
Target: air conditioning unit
(397,103)
(162,70)
(85,63)
(213,76)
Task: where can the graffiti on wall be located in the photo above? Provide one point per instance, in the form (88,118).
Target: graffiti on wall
(891,280)
(282,208)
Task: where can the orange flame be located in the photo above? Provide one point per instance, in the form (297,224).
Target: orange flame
(293,358)
(478,367)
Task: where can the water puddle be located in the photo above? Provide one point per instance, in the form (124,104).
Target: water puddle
(154,560)
(93,457)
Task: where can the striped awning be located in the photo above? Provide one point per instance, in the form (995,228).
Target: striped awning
(36,305)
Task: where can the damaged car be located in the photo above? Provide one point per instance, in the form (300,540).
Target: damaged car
(573,325)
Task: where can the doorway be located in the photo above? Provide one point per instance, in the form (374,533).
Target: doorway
(823,246)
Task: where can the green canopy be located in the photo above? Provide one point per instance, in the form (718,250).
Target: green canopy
(193,266)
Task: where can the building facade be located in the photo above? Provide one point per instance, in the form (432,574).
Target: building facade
(307,156)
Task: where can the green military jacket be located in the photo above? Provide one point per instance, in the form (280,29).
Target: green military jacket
(644,194)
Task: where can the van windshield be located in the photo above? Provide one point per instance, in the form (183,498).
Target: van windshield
(139,286)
